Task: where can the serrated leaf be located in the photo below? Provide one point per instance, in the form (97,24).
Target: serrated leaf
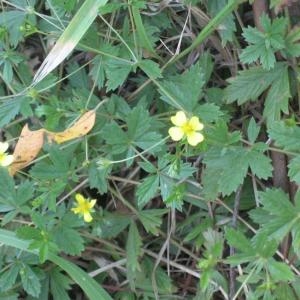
(147,190)
(263,45)
(151,68)
(287,137)
(9,277)
(250,84)
(68,240)
(277,215)
(238,240)
(133,250)
(280,271)
(30,281)
(116,72)
(7,187)
(227,28)
(10,108)
(151,219)
(260,164)
(277,100)
(252,131)
(174,90)
(147,166)
(294,169)
(208,112)
(59,284)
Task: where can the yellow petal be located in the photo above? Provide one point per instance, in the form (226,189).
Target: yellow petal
(92,203)
(80,199)
(76,210)
(179,119)
(6,160)
(195,138)
(195,124)
(176,133)
(3,147)
(87,217)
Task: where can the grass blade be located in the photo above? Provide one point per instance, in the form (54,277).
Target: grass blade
(70,37)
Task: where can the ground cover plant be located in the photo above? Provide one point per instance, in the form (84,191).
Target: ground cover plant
(149,150)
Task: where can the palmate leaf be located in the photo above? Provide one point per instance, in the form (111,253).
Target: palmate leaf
(263,45)
(248,85)
(277,216)
(30,281)
(226,168)
(174,90)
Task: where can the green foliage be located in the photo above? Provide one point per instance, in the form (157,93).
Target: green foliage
(264,44)
(169,219)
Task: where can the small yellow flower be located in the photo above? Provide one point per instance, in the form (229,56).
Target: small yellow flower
(186,128)
(84,207)
(5,159)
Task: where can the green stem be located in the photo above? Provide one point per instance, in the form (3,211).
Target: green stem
(208,29)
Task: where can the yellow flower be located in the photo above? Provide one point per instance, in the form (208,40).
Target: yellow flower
(5,159)
(84,207)
(186,128)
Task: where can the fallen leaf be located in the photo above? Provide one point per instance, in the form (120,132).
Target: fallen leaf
(80,128)
(28,146)
(31,142)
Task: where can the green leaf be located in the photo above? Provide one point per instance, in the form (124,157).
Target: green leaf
(227,28)
(294,169)
(263,45)
(277,100)
(260,164)
(144,40)
(227,167)
(59,284)
(174,90)
(208,112)
(98,177)
(30,281)
(250,84)
(252,131)
(238,240)
(133,250)
(9,277)
(151,219)
(138,122)
(7,187)
(277,217)
(147,190)
(110,225)
(116,72)
(68,240)
(280,271)
(115,137)
(12,20)
(287,137)
(151,68)
(92,289)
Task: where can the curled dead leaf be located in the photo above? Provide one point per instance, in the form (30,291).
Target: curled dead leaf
(31,142)
(28,146)
(80,128)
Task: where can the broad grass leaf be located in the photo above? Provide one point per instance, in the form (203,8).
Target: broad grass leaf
(70,37)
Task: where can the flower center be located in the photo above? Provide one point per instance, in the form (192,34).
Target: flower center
(187,128)
(84,207)
(2,157)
